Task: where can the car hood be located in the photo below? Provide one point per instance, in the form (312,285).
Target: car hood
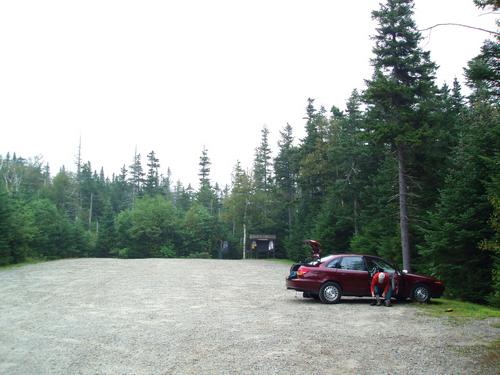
(417,277)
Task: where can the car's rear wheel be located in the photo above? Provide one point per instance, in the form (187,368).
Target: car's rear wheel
(330,292)
(421,293)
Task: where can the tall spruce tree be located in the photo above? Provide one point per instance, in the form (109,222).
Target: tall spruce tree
(236,205)
(205,195)
(262,162)
(152,182)
(459,223)
(136,177)
(461,234)
(262,186)
(398,93)
(6,228)
(285,172)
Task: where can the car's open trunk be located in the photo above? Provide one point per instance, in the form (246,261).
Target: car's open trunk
(311,262)
(294,268)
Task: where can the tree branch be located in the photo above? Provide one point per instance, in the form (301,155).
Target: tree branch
(461,25)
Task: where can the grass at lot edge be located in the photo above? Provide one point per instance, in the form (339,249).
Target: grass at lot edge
(22,264)
(459,309)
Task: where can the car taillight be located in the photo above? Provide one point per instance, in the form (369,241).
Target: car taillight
(302,271)
(438,282)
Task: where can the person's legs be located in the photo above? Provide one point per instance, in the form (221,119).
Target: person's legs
(378,293)
(388,297)
(389,294)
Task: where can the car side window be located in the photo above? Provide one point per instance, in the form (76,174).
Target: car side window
(379,264)
(335,263)
(353,264)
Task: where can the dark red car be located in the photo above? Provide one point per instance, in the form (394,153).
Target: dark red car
(331,277)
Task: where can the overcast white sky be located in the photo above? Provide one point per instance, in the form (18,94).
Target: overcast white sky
(174,76)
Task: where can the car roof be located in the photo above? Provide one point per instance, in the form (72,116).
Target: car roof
(333,256)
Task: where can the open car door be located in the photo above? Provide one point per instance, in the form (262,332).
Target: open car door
(379,265)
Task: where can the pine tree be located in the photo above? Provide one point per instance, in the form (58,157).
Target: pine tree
(152,182)
(260,205)
(398,93)
(462,225)
(120,192)
(459,223)
(236,206)
(314,173)
(136,177)
(262,163)
(205,195)
(6,229)
(166,185)
(106,237)
(347,157)
(285,172)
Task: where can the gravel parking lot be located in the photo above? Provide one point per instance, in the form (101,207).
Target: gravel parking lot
(180,316)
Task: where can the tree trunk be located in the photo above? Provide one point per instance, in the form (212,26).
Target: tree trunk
(355,215)
(90,210)
(403,211)
(289,221)
(244,240)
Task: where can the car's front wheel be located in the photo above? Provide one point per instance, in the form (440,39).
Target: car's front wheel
(421,293)
(330,292)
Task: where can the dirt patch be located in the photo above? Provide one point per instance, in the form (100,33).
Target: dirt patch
(180,316)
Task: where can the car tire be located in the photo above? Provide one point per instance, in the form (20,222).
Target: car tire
(421,293)
(330,292)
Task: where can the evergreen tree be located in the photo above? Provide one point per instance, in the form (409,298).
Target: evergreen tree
(152,183)
(483,72)
(459,223)
(458,229)
(493,244)
(236,206)
(262,163)
(166,185)
(120,192)
(65,193)
(260,205)
(183,197)
(202,232)
(285,172)
(106,236)
(205,195)
(398,94)
(136,178)
(7,231)
(347,156)
(313,177)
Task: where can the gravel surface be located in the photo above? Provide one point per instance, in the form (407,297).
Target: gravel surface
(180,316)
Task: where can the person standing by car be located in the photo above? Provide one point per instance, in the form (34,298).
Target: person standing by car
(381,287)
